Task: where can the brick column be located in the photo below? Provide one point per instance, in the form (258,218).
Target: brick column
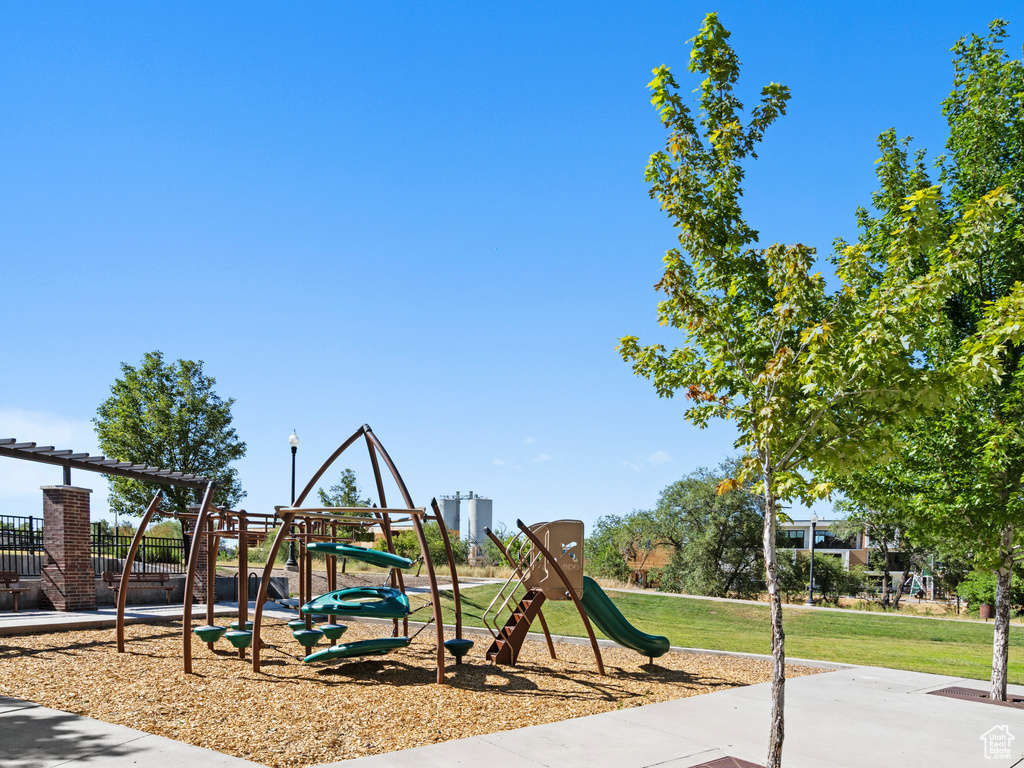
(69,583)
(199,590)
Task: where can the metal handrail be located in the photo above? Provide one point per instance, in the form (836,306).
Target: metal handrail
(519,571)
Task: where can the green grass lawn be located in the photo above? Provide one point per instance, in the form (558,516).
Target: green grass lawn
(958,648)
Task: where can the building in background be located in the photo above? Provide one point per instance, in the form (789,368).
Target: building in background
(479,515)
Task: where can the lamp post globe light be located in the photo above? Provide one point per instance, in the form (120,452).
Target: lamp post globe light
(293,441)
(810,581)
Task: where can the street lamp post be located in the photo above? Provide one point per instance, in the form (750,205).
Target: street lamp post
(293,441)
(810,583)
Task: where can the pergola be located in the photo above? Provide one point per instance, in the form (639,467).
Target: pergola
(69,460)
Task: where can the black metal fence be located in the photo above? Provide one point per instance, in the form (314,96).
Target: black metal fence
(21,544)
(155,555)
(21,549)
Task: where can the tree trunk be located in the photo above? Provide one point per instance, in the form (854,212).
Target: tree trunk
(777,732)
(1001,638)
(886,576)
(903,584)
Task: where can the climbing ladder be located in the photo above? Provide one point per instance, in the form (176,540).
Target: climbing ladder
(508,640)
(547,564)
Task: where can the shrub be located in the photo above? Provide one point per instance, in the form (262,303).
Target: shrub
(407,544)
(980,587)
(831,578)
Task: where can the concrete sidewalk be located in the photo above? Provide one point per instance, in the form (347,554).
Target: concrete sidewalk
(36,737)
(35,621)
(848,718)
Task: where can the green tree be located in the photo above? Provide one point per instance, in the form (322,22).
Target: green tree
(979,483)
(831,578)
(964,466)
(168,416)
(890,525)
(980,586)
(492,556)
(715,537)
(346,493)
(613,541)
(801,371)
(407,544)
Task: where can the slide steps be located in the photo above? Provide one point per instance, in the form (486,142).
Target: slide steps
(505,648)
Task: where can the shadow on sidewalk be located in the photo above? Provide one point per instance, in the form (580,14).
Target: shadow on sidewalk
(33,737)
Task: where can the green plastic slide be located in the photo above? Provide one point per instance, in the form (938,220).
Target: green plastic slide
(609,619)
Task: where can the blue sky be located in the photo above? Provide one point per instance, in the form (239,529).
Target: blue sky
(429,217)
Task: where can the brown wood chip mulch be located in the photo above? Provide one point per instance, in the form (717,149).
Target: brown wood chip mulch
(294,714)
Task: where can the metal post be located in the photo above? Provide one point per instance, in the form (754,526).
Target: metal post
(810,582)
(291,562)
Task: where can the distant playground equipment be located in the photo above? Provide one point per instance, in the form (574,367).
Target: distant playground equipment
(547,564)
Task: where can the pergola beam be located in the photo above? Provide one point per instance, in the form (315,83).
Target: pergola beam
(48,455)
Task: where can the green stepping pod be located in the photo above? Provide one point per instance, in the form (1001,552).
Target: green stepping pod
(376,647)
(307,637)
(458,647)
(333,631)
(210,633)
(235,625)
(239,638)
(295,624)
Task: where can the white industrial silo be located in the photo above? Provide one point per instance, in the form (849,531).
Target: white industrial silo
(450,512)
(479,515)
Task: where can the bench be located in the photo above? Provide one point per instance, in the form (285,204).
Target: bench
(7,578)
(140,581)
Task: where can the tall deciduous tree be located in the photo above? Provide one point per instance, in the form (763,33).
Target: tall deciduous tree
(168,415)
(889,524)
(715,538)
(964,466)
(804,373)
(346,493)
(613,541)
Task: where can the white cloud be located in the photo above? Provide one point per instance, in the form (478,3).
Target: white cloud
(20,480)
(636,466)
(659,457)
(542,458)
(499,462)
(528,440)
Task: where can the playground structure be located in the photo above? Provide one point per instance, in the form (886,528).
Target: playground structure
(325,529)
(546,560)
(547,564)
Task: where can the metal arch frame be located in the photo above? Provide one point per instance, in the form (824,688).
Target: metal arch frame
(199,539)
(126,571)
(287,515)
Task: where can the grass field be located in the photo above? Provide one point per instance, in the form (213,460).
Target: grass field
(958,648)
